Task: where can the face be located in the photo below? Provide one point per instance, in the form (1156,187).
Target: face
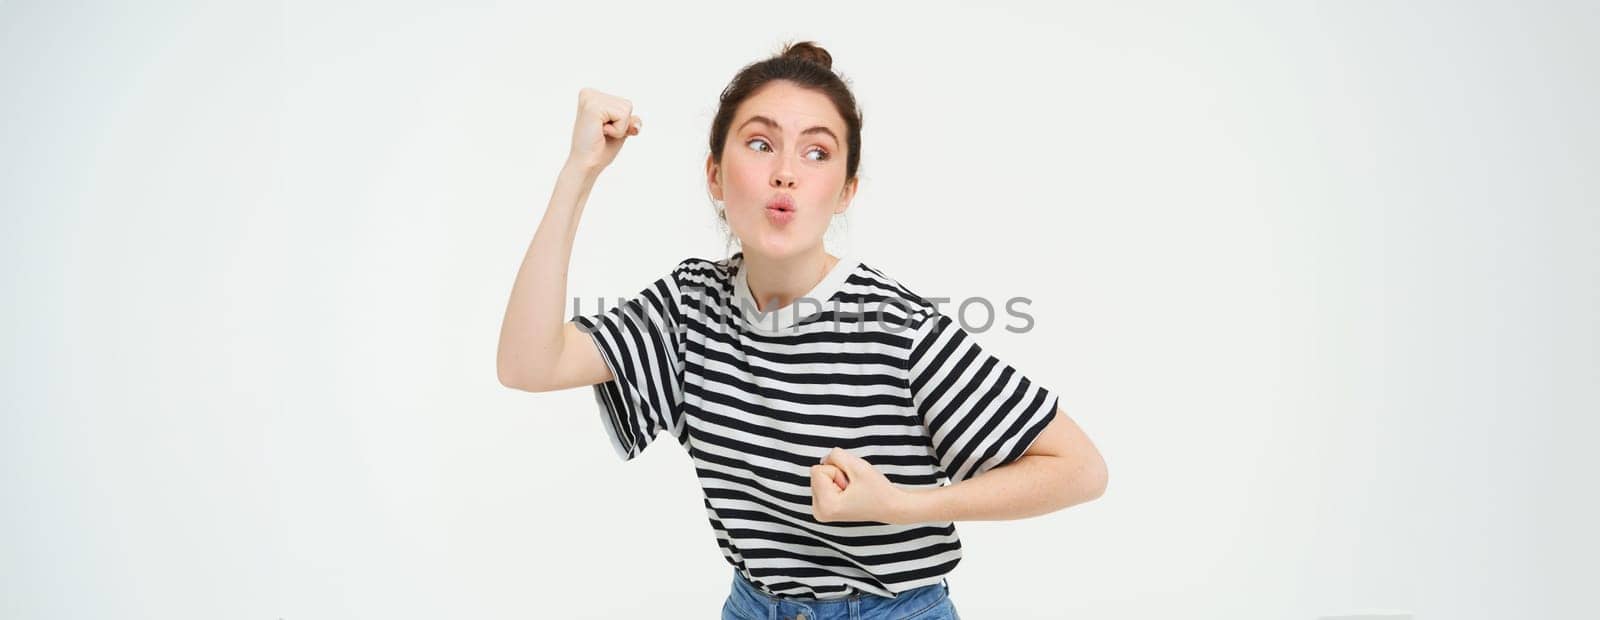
(784,141)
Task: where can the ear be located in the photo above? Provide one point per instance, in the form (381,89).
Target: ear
(713,178)
(847,194)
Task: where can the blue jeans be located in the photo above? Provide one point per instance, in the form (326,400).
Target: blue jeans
(930,602)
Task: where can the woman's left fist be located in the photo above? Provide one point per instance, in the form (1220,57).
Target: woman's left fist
(845,487)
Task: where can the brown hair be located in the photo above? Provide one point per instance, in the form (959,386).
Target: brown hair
(807,65)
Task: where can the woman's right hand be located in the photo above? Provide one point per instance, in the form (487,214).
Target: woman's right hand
(604,123)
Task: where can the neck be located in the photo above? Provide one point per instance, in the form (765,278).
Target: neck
(778,282)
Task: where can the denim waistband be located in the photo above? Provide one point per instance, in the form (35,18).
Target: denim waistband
(762,606)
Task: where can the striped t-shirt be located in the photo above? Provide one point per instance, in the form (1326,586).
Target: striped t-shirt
(756,399)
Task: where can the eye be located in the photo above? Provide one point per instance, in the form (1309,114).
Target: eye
(755,140)
(823,154)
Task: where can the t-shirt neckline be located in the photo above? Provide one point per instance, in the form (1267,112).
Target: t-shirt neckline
(813,302)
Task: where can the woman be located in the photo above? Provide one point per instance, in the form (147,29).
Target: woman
(839,423)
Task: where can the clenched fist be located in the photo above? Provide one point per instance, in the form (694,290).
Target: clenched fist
(845,487)
(604,123)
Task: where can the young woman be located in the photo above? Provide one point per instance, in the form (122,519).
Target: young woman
(839,423)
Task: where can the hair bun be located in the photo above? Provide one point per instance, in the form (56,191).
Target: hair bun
(810,52)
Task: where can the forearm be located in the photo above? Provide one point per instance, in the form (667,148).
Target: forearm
(1030,486)
(531,331)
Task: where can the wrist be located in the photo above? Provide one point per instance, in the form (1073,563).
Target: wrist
(913,505)
(579,172)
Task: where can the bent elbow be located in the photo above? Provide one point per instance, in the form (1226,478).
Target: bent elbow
(1087,482)
(1098,479)
(517,378)
(507,378)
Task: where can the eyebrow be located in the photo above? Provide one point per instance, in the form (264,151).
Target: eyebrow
(774,124)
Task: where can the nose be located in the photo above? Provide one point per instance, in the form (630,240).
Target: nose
(783,178)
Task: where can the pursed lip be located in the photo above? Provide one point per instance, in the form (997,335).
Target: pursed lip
(781,202)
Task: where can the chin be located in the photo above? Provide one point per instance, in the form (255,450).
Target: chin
(779,245)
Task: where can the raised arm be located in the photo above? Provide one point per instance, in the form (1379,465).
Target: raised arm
(539,350)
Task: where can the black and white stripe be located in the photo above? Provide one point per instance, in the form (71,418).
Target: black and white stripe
(757,398)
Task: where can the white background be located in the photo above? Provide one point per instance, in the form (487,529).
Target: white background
(1319,279)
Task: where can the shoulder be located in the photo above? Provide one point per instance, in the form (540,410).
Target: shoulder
(874,287)
(695,276)
(699,268)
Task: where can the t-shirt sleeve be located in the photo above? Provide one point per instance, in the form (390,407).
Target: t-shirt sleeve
(980,412)
(639,340)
